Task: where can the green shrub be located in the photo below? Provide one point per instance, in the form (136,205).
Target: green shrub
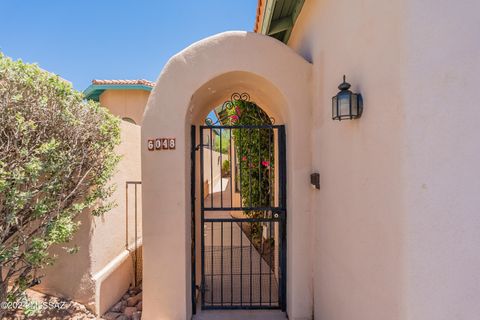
(56,159)
(226,168)
(225,147)
(255,152)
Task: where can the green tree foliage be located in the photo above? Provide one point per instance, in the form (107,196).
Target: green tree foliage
(225,141)
(56,159)
(226,168)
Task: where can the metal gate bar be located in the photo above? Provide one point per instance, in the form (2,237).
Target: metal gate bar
(137,252)
(242,238)
(224,285)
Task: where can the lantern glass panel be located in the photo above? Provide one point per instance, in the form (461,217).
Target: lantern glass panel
(355,105)
(334,107)
(344,104)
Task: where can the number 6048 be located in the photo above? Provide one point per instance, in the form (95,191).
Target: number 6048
(161,144)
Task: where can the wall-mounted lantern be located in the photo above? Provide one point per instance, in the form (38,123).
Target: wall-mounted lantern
(346,104)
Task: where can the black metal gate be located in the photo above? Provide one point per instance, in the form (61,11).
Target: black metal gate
(243,216)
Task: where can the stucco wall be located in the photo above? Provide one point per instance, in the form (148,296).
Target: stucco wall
(108,239)
(101,271)
(112,264)
(443,186)
(212,169)
(126,103)
(202,76)
(396,221)
(70,276)
(359,212)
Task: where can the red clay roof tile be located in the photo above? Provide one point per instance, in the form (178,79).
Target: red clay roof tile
(125,82)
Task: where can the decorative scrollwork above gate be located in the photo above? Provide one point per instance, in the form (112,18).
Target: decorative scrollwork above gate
(239,110)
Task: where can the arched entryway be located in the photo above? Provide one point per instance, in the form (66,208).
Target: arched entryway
(202,76)
(239,252)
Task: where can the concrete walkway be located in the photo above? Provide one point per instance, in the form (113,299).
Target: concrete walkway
(241,315)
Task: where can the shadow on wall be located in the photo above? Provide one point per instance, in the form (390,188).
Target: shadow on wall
(70,276)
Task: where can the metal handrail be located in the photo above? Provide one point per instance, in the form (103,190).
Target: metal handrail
(127,247)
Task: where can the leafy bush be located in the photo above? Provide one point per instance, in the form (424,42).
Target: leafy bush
(255,151)
(56,159)
(254,158)
(225,142)
(226,168)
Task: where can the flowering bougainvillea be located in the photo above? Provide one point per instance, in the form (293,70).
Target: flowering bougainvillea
(255,149)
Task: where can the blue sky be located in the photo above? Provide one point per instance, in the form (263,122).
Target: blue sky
(113,39)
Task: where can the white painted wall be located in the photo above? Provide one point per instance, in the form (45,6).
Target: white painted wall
(359,212)
(442,130)
(396,221)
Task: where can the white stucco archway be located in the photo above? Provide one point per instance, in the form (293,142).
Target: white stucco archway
(192,82)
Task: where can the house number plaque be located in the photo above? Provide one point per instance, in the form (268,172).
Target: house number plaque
(161,144)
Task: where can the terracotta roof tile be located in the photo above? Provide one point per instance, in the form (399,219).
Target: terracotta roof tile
(260,7)
(125,82)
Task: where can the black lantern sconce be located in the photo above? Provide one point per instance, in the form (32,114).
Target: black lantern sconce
(346,104)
